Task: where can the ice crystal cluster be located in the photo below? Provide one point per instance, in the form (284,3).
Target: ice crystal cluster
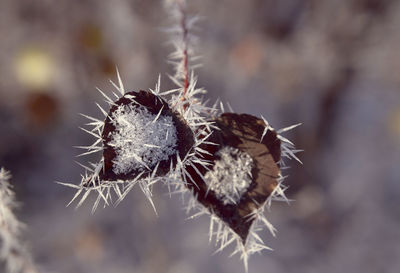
(231,175)
(228,165)
(141,139)
(13,252)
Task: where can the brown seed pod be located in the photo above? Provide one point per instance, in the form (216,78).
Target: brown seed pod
(241,146)
(143,135)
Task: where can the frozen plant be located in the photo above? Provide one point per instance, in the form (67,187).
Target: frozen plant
(14,254)
(143,140)
(243,178)
(228,164)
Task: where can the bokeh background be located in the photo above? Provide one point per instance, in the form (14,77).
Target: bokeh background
(332,65)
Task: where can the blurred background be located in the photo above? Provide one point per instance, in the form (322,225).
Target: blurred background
(332,65)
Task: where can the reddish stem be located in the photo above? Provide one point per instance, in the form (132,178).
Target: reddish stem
(185,72)
(185,51)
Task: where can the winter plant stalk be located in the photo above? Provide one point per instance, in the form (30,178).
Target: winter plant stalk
(14,254)
(228,165)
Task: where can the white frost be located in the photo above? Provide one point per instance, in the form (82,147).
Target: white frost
(14,255)
(231,175)
(141,139)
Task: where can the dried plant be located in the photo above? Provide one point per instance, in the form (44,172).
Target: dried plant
(13,251)
(228,164)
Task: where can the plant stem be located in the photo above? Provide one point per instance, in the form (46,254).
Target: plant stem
(185,50)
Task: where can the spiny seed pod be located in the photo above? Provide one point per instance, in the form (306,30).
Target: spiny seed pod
(143,139)
(244,154)
(142,134)
(243,172)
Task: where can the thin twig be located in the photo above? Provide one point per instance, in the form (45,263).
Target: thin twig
(185,60)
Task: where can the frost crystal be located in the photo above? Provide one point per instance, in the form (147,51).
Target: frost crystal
(14,254)
(141,139)
(231,175)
